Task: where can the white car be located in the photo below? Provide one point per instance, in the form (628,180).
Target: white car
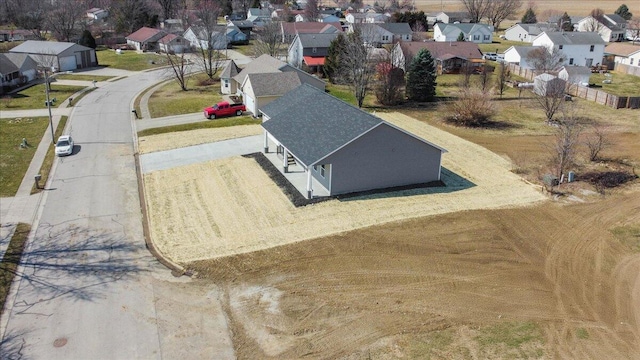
(64,146)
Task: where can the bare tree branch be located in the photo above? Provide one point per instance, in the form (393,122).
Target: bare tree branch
(269,39)
(477,9)
(499,10)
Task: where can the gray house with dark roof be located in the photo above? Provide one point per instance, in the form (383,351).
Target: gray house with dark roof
(344,148)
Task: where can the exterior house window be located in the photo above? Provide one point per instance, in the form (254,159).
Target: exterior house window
(476,37)
(226,83)
(322,170)
(486,37)
(571,61)
(631,61)
(560,47)
(385,37)
(591,48)
(314,50)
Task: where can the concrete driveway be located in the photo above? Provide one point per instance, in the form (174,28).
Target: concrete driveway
(168,159)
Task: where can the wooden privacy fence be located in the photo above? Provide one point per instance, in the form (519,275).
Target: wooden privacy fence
(627,69)
(599,96)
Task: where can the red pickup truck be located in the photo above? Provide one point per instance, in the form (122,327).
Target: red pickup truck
(224,109)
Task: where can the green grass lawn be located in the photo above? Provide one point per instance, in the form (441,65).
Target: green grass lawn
(499,46)
(171,100)
(130,60)
(11,259)
(218,123)
(47,163)
(14,160)
(621,84)
(34,97)
(83,77)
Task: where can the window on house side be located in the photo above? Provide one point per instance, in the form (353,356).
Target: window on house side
(560,47)
(322,170)
(571,61)
(314,50)
(591,48)
(476,37)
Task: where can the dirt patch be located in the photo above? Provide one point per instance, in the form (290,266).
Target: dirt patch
(175,140)
(539,282)
(231,206)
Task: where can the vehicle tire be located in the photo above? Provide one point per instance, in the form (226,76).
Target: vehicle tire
(212,116)
(238,112)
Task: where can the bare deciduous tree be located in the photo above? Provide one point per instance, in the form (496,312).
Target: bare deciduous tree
(269,39)
(28,14)
(550,97)
(596,141)
(65,19)
(566,143)
(312,10)
(356,66)
(633,26)
(169,8)
(180,67)
(477,9)
(209,56)
(545,59)
(499,10)
(389,80)
(503,76)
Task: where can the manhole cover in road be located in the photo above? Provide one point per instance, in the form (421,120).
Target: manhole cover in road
(60,342)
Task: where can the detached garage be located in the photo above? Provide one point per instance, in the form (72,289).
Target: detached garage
(344,148)
(62,56)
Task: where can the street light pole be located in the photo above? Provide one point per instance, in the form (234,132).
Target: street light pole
(46,90)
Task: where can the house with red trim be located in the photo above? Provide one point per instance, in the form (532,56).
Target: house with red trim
(310,50)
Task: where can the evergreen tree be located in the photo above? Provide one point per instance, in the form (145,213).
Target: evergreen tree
(529,17)
(86,39)
(565,22)
(460,37)
(228,8)
(623,11)
(332,62)
(256,4)
(421,77)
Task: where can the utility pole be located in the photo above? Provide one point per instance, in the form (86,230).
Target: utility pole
(46,90)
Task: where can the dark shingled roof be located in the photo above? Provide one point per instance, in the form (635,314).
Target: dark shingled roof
(312,124)
(230,70)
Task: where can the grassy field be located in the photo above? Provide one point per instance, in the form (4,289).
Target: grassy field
(83,77)
(621,84)
(171,100)
(45,168)
(9,263)
(14,160)
(130,60)
(34,97)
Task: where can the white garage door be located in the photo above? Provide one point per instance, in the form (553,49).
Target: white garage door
(68,63)
(250,104)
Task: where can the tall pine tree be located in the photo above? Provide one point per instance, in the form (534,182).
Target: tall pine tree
(332,62)
(529,17)
(565,22)
(421,77)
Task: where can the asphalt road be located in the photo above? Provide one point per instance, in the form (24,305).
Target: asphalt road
(90,289)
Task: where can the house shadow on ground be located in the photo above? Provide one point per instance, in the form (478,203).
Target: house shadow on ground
(450,182)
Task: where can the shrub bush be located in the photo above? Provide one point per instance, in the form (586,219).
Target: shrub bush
(472,108)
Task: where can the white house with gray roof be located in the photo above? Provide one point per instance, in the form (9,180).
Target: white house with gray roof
(343,148)
(16,69)
(267,78)
(611,27)
(518,55)
(526,32)
(477,33)
(62,56)
(387,33)
(580,48)
(227,86)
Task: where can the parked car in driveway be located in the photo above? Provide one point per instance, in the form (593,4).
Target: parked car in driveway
(64,146)
(224,109)
(490,56)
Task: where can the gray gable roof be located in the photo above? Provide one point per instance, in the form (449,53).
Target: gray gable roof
(575,38)
(6,65)
(316,40)
(312,124)
(465,28)
(397,28)
(45,47)
(263,64)
(273,84)
(230,70)
(577,70)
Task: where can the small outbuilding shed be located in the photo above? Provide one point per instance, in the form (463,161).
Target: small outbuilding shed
(548,85)
(575,75)
(343,148)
